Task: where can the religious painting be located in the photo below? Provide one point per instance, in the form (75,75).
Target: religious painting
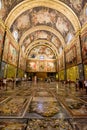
(28,40)
(84,47)
(11,49)
(83,15)
(41,35)
(23,21)
(7,6)
(42,66)
(41,53)
(42,16)
(31,66)
(62,25)
(12,55)
(56,41)
(51,66)
(1,38)
(71,58)
(76,4)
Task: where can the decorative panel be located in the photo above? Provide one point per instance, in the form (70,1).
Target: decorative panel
(11,49)
(71,58)
(12,55)
(41,66)
(31,66)
(72,73)
(20,73)
(51,66)
(61,75)
(85,71)
(11,71)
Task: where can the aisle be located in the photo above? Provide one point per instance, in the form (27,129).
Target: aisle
(43,106)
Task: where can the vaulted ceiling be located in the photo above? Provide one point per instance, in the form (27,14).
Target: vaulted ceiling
(43,27)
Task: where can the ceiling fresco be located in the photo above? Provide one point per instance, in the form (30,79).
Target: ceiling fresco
(39,35)
(41,53)
(43,16)
(7,5)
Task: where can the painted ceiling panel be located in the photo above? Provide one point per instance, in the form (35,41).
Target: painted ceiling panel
(45,35)
(62,16)
(8,5)
(42,43)
(41,53)
(42,16)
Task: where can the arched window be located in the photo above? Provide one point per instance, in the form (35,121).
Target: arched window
(60,50)
(15,35)
(23,48)
(69,37)
(41,57)
(86,10)
(0,4)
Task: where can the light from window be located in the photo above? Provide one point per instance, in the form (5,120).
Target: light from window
(60,50)
(15,35)
(41,57)
(0,4)
(86,11)
(69,37)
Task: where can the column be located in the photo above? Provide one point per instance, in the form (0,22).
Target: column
(18,63)
(81,66)
(3,44)
(65,73)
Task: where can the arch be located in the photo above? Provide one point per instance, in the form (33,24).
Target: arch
(46,28)
(54,4)
(50,45)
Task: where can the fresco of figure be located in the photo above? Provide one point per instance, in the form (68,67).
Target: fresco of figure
(43,16)
(76,4)
(62,25)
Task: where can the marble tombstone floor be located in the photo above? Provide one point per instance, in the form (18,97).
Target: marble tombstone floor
(43,106)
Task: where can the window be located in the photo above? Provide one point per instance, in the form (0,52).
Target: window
(86,11)
(15,35)
(0,4)
(60,50)
(69,37)
(23,48)
(41,57)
